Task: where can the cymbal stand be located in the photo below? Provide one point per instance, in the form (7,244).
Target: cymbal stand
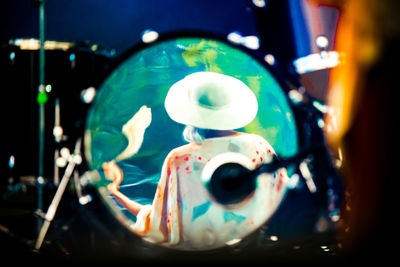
(73,160)
(41,99)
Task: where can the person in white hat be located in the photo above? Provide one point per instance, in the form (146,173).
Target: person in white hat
(183,214)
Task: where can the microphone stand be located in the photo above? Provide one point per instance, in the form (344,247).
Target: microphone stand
(230,176)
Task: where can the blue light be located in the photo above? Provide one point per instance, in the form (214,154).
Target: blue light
(12,56)
(72,57)
(300,31)
(11,162)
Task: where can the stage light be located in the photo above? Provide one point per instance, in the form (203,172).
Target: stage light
(94,47)
(87,95)
(295,96)
(339,160)
(294,181)
(321,107)
(235,37)
(149,36)
(322,42)
(27,44)
(12,56)
(251,42)
(72,57)
(11,162)
(317,61)
(260,3)
(58,132)
(233,241)
(305,171)
(325,248)
(335,217)
(42,98)
(40,180)
(273,238)
(34,44)
(270,59)
(83,200)
(48,88)
(321,123)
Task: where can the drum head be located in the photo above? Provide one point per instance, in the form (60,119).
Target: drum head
(144,78)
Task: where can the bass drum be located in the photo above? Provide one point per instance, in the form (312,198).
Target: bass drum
(143,77)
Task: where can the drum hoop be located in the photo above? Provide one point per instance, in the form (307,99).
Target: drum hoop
(258,56)
(33,44)
(286,84)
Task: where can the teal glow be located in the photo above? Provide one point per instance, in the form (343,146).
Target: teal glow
(12,56)
(200,210)
(230,216)
(72,57)
(42,98)
(145,78)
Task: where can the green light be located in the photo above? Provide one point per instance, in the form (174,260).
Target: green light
(42,98)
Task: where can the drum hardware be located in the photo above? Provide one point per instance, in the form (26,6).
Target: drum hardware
(88,94)
(57,129)
(34,44)
(324,59)
(230,175)
(41,99)
(82,198)
(60,156)
(60,133)
(270,59)
(56,176)
(73,160)
(251,42)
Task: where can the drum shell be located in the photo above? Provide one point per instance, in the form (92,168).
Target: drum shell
(67,73)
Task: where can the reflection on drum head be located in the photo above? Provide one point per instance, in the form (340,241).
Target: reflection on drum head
(129,128)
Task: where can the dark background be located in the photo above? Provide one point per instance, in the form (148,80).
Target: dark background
(119,24)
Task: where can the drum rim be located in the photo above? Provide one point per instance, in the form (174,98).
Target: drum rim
(141,46)
(282,77)
(33,44)
(257,55)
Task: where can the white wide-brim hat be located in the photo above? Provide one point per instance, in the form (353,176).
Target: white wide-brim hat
(211,100)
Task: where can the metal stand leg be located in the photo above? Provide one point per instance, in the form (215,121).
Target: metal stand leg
(41,99)
(73,160)
(54,204)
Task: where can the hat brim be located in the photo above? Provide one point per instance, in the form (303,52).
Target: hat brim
(241,110)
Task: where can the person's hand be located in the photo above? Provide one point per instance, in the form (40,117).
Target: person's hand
(113,173)
(139,122)
(113,188)
(134,131)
